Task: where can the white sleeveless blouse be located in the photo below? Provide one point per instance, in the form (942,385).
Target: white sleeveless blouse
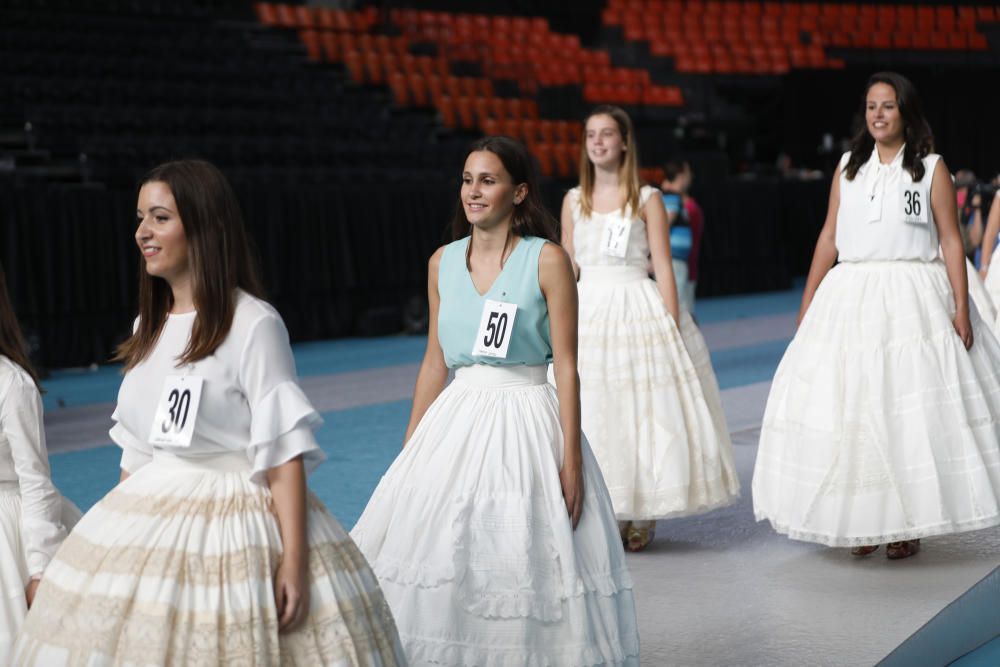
(884,214)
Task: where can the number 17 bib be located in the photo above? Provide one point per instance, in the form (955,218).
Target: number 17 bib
(495,327)
(614,240)
(177,411)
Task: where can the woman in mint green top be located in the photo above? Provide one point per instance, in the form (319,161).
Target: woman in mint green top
(492,533)
(462,304)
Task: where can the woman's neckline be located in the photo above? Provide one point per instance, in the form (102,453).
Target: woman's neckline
(481,295)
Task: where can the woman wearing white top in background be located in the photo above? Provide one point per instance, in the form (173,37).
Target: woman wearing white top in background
(34,518)
(883,421)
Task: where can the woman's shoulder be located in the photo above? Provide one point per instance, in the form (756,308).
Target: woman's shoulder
(13,378)
(249,313)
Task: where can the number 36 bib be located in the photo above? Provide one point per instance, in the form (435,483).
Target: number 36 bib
(495,327)
(915,204)
(177,411)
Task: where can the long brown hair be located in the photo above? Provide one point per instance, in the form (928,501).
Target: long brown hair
(12,344)
(628,168)
(916,130)
(220,255)
(530,217)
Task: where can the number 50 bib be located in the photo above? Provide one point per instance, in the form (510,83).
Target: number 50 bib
(495,327)
(177,411)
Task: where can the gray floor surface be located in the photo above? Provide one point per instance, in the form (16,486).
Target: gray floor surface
(722,589)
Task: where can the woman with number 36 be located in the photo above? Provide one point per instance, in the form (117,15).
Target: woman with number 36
(211,550)
(883,421)
(492,533)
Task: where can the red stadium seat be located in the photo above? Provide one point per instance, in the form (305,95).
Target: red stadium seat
(314,50)
(266,13)
(399,88)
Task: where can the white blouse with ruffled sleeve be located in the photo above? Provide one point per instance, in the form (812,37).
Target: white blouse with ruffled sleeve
(250,398)
(24,460)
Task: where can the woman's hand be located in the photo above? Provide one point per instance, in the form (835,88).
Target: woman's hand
(291,593)
(291,581)
(983,271)
(963,327)
(30,590)
(571,480)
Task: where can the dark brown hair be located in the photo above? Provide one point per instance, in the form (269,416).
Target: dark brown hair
(530,217)
(628,169)
(916,130)
(12,343)
(220,256)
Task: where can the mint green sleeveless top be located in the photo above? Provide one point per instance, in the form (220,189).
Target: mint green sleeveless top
(462,306)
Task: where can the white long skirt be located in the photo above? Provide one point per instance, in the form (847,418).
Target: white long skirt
(880,425)
(14,575)
(469,535)
(651,404)
(175,566)
(977,292)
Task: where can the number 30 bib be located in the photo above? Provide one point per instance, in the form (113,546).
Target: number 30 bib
(495,327)
(177,411)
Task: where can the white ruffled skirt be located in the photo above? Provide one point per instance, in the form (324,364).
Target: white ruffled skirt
(880,425)
(175,566)
(469,535)
(14,573)
(977,292)
(651,404)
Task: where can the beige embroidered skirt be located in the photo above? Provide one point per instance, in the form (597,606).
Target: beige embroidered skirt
(175,566)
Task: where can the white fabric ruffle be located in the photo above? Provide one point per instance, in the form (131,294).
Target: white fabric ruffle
(880,425)
(650,401)
(281,428)
(469,535)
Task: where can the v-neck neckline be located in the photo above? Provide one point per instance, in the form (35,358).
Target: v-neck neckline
(482,295)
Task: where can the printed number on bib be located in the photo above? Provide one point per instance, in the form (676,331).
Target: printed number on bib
(614,242)
(177,411)
(915,205)
(495,329)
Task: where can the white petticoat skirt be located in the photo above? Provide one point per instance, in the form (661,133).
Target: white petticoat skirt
(651,404)
(979,296)
(14,575)
(880,425)
(469,535)
(175,566)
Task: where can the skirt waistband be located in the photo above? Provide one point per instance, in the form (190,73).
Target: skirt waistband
(889,264)
(222,462)
(612,275)
(10,487)
(482,375)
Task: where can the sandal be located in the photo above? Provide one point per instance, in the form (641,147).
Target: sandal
(623,528)
(639,538)
(900,550)
(864,551)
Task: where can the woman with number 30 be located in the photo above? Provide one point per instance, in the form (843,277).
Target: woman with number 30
(211,550)
(492,533)
(884,415)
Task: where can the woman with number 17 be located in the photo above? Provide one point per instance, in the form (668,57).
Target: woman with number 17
(651,404)
(883,421)
(492,533)
(211,550)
